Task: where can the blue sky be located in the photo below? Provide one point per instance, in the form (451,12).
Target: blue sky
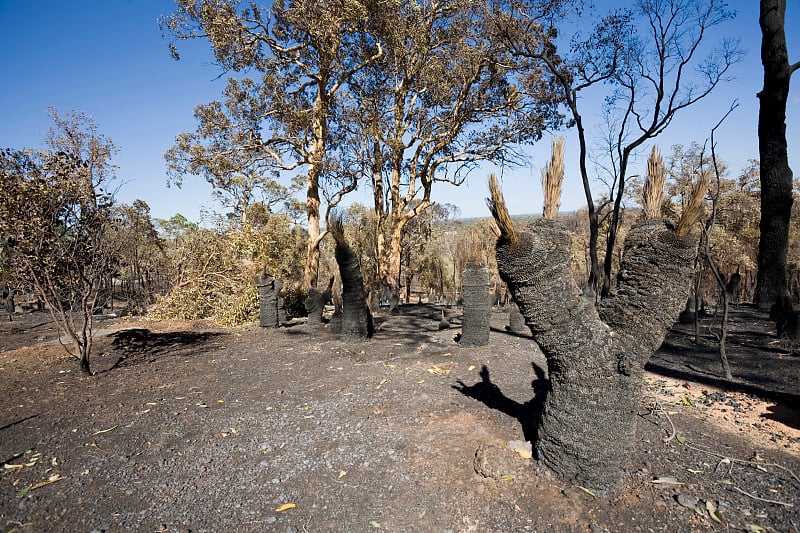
(108,59)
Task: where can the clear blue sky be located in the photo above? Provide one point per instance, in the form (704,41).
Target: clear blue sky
(108,59)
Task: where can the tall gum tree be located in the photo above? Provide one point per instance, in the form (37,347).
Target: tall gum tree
(224,152)
(776,175)
(443,97)
(303,50)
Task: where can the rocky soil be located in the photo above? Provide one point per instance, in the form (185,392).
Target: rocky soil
(189,427)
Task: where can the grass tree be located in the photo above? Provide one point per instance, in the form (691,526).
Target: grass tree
(649,59)
(356,317)
(475,327)
(595,354)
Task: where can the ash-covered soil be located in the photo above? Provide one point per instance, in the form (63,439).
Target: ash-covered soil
(189,427)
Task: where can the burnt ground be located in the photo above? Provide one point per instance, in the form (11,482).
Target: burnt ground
(189,427)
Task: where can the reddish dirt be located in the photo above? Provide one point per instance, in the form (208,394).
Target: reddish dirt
(189,427)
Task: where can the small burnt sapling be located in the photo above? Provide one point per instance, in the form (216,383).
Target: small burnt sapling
(595,354)
(356,317)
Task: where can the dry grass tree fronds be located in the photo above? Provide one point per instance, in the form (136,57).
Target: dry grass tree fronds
(497,206)
(336,226)
(653,191)
(553,179)
(694,209)
(495,228)
(471,248)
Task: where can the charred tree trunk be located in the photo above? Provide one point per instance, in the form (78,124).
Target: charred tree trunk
(787,320)
(776,176)
(477,305)
(315,303)
(595,355)
(516,322)
(269,300)
(356,319)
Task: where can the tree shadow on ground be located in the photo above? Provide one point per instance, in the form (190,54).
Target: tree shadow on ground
(528,414)
(140,345)
(698,368)
(783,414)
(507,331)
(433,313)
(409,329)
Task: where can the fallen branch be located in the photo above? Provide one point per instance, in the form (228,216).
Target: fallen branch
(656,408)
(737,489)
(105,430)
(757,464)
(724,458)
(49,481)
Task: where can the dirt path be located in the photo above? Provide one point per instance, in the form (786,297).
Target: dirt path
(188,427)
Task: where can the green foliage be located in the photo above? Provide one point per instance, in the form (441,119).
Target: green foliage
(56,222)
(294,296)
(212,270)
(142,260)
(403,94)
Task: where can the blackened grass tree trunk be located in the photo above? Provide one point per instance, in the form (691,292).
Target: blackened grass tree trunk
(269,299)
(357,323)
(776,176)
(516,322)
(477,305)
(595,354)
(315,303)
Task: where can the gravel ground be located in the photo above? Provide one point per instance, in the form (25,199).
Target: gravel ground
(188,427)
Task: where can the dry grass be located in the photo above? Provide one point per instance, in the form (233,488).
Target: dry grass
(694,209)
(653,191)
(497,206)
(552,180)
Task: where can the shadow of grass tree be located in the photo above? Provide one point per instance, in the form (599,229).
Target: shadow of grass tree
(528,413)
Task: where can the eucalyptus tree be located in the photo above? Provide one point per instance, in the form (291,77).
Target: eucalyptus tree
(651,61)
(304,53)
(143,262)
(443,97)
(222,151)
